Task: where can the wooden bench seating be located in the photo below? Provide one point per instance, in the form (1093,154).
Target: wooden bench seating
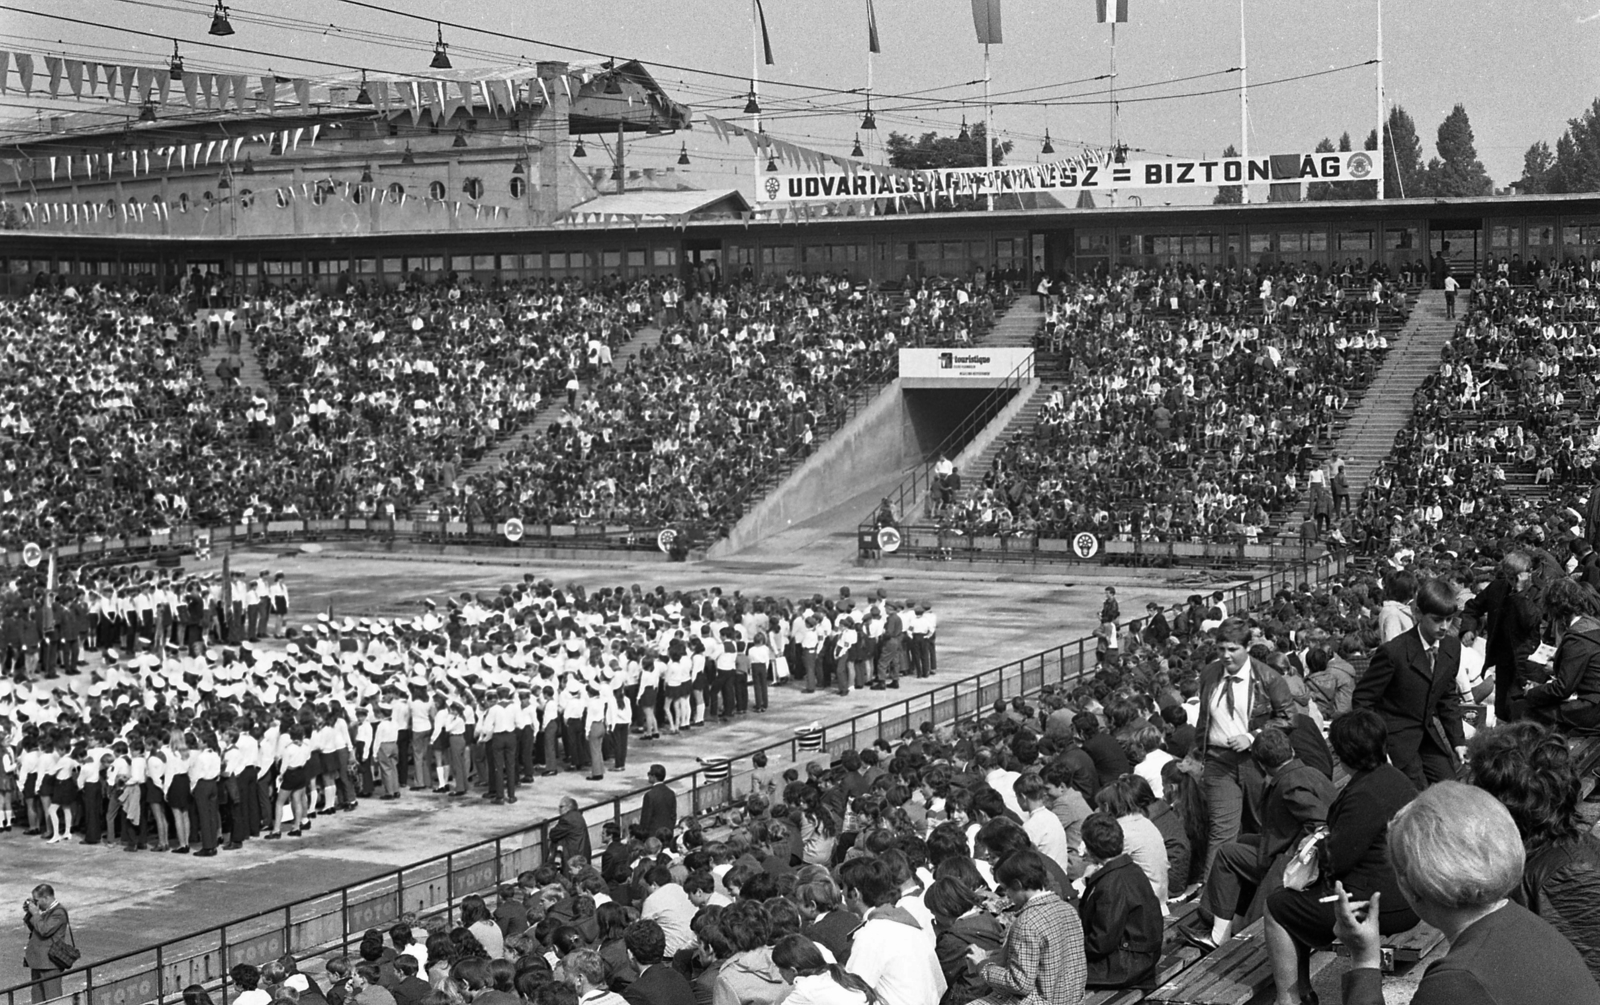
(1231,975)
(1174,958)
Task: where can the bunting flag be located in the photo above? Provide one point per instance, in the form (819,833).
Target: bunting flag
(208,83)
(269,89)
(52,66)
(237,143)
(1114,11)
(75,76)
(144,78)
(467,100)
(241,89)
(127,75)
(25,72)
(302,94)
(872,29)
(766,40)
(191,88)
(108,73)
(163,81)
(378,91)
(986,18)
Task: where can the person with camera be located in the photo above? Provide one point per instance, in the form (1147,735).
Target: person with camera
(51,948)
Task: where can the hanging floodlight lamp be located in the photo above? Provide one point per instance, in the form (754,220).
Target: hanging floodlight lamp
(856,150)
(683,154)
(364,98)
(441,58)
(175,68)
(219,21)
(1048,148)
(578,150)
(751,105)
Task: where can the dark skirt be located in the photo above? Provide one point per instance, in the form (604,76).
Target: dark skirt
(294,779)
(178,793)
(1310,922)
(45,787)
(280,606)
(64,791)
(314,766)
(153,795)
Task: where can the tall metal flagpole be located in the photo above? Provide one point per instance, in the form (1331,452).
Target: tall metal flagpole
(1382,112)
(1111,88)
(755,82)
(1244,109)
(871,133)
(988,129)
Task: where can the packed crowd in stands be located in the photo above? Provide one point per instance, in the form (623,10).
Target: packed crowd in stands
(379,401)
(1152,437)
(1503,439)
(1218,768)
(751,379)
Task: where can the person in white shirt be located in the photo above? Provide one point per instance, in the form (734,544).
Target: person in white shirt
(890,952)
(668,905)
(1044,828)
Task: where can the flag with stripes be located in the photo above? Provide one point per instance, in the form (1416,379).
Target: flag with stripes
(1111,10)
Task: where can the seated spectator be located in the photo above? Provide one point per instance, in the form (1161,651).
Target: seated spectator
(959,922)
(1354,854)
(1122,930)
(584,970)
(1128,801)
(1570,699)
(749,977)
(816,981)
(889,952)
(1042,957)
(1458,856)
(1249,869)
(1528,768)
(658,983)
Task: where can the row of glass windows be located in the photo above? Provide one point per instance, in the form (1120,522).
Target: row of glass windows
(1537,235)
(1098,242)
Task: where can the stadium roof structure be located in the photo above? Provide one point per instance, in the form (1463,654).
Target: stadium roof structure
(727,204)
(605,96)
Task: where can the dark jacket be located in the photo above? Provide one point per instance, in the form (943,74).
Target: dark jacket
(834,930)
(951,944)
(571,835)
(1356,851)
(410,991)
(1561,884)
(1400,686)
(660,809)
(1509,621)
(1571,698)
(1270,701)
(1176,837)
(1509,956)
(1121,926)
(659,984)
(1110,760)
(1295,803)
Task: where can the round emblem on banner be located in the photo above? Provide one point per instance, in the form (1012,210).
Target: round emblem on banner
(1360,165)
(513,530)
(32,554)
(888,540)
(1085,545)
(665,538)
(773,188)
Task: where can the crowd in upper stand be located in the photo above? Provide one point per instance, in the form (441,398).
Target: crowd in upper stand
(117,420)
(1193,409)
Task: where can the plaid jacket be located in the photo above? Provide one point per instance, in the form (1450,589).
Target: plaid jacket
(1042,961)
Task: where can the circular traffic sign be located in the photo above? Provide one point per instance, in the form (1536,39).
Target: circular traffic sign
(513,530)
(888,540)
(1085,545)
(32,554)
(665,538)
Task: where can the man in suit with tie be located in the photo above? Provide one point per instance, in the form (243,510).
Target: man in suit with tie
(1411,682)
(660,809)
(1239,696)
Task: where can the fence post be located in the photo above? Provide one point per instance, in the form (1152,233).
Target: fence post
(400,892)
(449,885)
(499,865)
(344,916)
(161,975)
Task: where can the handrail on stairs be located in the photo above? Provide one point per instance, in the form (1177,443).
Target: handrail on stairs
(920,481)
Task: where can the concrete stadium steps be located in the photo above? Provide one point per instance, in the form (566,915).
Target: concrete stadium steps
(974,464)
(1017,326)
(250,373)
(1387,405)
(550,413)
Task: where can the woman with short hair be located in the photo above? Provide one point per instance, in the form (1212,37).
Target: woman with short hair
(1457,858)
(816,981)
(1355,853)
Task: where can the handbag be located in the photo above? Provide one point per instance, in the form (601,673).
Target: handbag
(1303,870)
(64,954)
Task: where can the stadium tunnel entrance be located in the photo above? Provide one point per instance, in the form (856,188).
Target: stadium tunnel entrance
(945,420)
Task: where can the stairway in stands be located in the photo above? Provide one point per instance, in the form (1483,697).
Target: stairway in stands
(1018,325)
(551,412)
(1386,407)
(251,376)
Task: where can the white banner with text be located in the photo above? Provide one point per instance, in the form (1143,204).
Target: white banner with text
(1076,174)
(947,367)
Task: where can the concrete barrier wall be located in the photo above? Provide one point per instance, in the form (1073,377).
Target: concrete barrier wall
(879,440)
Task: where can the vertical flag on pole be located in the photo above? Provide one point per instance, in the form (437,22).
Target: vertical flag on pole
(50,572)
(872,29)
(766,40)
(986,18)
(1114,11)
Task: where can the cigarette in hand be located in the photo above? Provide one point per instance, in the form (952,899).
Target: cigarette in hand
(1355,905)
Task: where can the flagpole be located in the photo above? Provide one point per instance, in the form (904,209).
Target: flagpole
(755,83)
(1244,109)
(1381,114)
(988,132)
(870,132)
(1111,85)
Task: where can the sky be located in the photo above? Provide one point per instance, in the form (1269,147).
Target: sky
(1522,68)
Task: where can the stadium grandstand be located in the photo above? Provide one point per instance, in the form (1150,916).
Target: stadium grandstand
(450,552)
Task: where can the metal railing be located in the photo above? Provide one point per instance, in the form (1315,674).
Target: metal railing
(333,921)
(920,482)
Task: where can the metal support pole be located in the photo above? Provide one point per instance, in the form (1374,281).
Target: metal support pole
(988,130)
(1244,108)
(1382,113)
